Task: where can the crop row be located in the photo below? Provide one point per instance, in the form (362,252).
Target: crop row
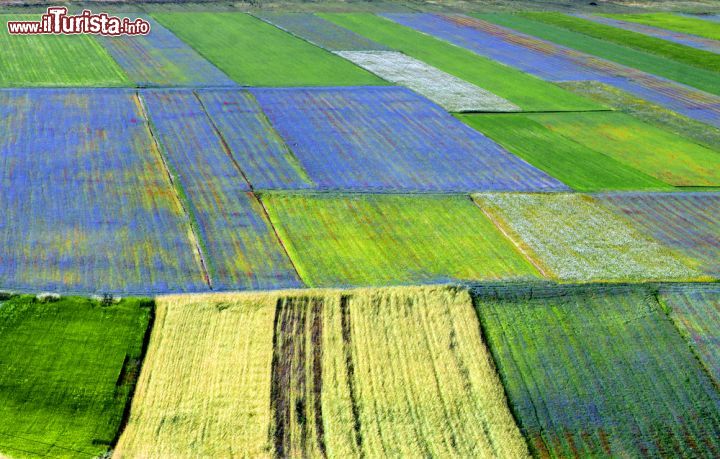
(497,370)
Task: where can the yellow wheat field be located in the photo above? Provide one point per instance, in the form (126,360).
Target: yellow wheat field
(337,373)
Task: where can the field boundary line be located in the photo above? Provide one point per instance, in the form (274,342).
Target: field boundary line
(266,214)
(195,239)
(507,235)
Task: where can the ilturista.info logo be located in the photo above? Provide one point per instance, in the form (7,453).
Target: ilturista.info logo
(57,21)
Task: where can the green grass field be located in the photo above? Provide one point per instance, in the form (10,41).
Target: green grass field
(54,60)
(379,239)
(661,117)
(255,53)
(66,372)
(572,237)
(599,372)
(578,166)
(683,64)
(666,156)
(684,24)
(528,92)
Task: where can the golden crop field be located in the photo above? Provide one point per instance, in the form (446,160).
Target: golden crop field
(336,373)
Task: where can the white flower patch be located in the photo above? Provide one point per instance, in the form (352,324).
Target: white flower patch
(448,91)
(579,239)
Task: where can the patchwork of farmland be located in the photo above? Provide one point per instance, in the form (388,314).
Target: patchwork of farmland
(501,231)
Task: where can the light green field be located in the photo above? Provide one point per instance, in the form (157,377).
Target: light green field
(580,167)
(572,237)
(54,60)
(398,372)
(255,53)
(658,153)
(707,29)
(528,92)
(381,239)
(67,369)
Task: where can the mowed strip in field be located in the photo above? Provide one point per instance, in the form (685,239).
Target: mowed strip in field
(162,59)
(322,373)
(699,72)
(687,222)
(573,237)
(451,93)
(239,247)
(381,239)
(695,310)
(656,152)
(67,371)
(255,53)
(391,139)
(526,91)
(679,23)
(599,372)
(87,204)
(578,166)
(54,60)
(321,32)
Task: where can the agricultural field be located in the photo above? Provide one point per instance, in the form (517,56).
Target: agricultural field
(376,239)
(695,311)
(572,237)
(362,229)
(390,139)
(687,222)
(162,59)
(526,91)
(54,60)
(254,53)
(67,370)
(307,374)
(685,24)
(217,198)
(77,187)
(580,167)
(599,372)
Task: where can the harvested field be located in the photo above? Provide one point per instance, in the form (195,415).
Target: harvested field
(67,372)
(320,32)
(663,155)
(578,166)
(87,204)
(204,389)
(451,93)
(557,63)
(162,59)
(239,247)
(358,373)
(526,91)
(599,372)
(266,161)
(692,41)
(390,139)
(695,311)
(343,240)
(685,65)
(676,22)
(573,237)
(54,60)
(255,53)
(687,222)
